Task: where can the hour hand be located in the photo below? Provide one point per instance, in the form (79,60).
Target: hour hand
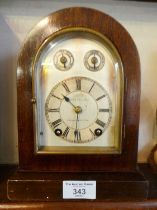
(66,98)
(77,109)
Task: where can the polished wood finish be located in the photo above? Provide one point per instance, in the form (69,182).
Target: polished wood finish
(149,174)
(115,32)
(144,205)
(6,172)
(47,186)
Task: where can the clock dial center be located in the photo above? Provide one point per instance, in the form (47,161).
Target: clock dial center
(79,102)
(63,59)
(78,109)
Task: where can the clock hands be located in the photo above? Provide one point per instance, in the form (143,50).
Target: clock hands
(77,132)
(68,100)
(77,109)
(94,60)
(63,60)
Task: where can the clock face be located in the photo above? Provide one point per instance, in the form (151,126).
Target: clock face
(78,83)
(69,106)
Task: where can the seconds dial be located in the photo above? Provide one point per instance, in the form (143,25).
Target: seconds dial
(78,109)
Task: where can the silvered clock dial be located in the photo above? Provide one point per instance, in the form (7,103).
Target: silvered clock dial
(69,106)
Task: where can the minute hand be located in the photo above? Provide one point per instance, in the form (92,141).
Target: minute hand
(77,132)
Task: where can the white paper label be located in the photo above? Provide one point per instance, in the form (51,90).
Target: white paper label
(79,189)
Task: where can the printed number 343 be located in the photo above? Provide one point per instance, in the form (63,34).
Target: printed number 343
(79,191)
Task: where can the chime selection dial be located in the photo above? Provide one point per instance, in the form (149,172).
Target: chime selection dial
(63,60)
(94,60)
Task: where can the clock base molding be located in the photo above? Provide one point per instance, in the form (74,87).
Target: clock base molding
(47,186)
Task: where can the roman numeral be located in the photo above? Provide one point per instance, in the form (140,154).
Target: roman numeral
(104,110)
(56,123)
(77,135)
(78,84)
(56,97)
(53,110)
(100,97)
(65,133)
(91,87)
(93,134)
(65,87)
(99,122)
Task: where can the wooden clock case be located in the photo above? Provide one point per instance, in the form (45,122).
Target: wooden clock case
(110,28)
(40,177)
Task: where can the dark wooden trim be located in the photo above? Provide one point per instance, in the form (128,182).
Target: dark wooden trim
(47,186)
(144,205)
(116,33)
(8,172)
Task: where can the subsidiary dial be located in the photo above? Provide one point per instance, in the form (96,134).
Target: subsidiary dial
(78,109)
(63,60)
(94,60)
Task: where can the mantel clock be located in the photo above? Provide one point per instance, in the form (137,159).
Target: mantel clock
(78,91)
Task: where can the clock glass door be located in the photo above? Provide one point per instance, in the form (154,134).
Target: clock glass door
(78,94)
